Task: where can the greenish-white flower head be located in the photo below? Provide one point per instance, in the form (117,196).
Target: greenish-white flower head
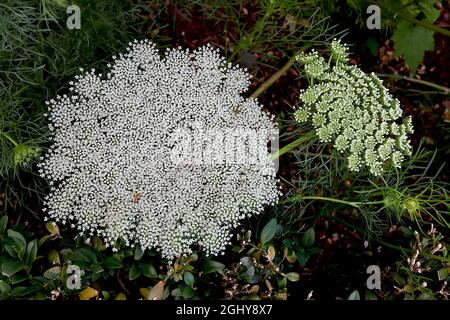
(354,111)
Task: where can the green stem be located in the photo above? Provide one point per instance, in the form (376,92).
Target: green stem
(424,24)
(7,136)
(355,204)
(263,87)
(350,203)
(422,82)
(293,145)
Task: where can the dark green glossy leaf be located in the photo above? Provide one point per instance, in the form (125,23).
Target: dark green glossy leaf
(148,270)
(308,237)
(268,232)
(97,268)
(187,292)
(31,253)
(84,255)
(213,266)
(138,252)
(189,279)
(134,272)
(112,263)
(11,267)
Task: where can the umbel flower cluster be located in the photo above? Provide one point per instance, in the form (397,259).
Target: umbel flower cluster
(112,167)
(354,111)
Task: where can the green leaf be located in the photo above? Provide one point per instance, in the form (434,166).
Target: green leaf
(19,277)
(11,267)
(24,291)
(97,244)
(213,266)
(149,270)
(443,274)
(372,46)
(411,42)
(293,276)
(187,292)
(268,232)
(3,224)
(44,238)
(354,296)
(138,252)
(121,296)
(85,255)
(53,273)
(308,237)
(19,242)
(11,247)
(5,289)
(31,253)
(189,279)
(97,268)
(134,272)
(371,296)
(112,263)
(52,227)
(430,12)
(53,257)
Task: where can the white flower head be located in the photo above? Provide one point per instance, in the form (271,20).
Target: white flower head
(355,112)
(144,154)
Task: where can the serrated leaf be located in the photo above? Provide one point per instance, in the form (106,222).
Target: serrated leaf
(112,263)
(268,232)
(354,296)
(430,12)
(411,42)
(308,237)
(189,278)
(88,293)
